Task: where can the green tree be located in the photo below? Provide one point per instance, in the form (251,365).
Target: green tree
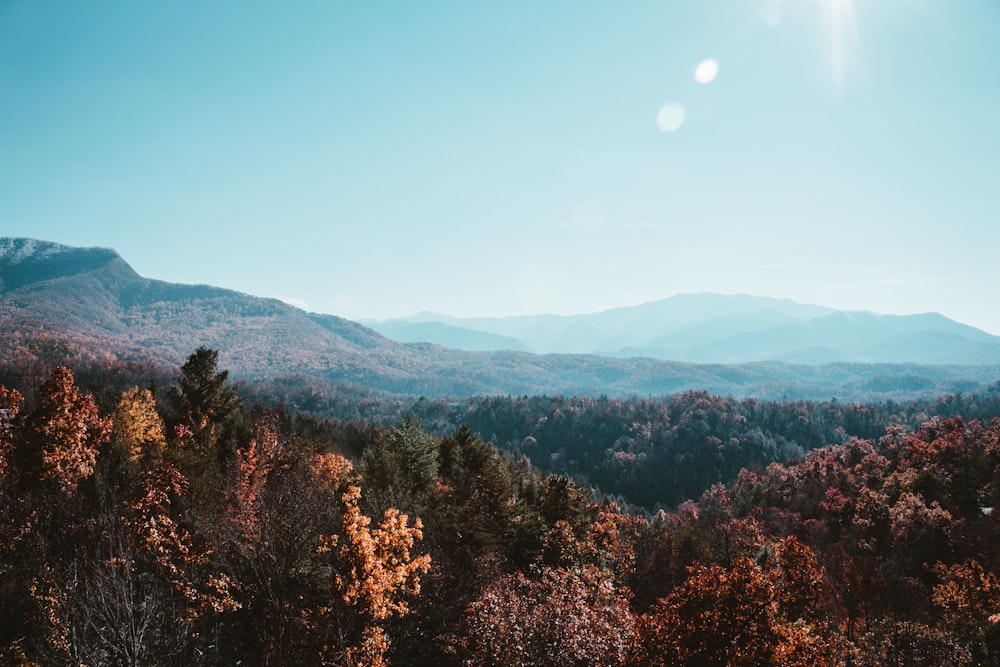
(403,466)
(206,409)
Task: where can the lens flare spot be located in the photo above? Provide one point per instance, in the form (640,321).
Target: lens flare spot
(670,117)
(706,71)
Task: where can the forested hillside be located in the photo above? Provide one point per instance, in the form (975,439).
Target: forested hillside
(90,301)
(180,524)
(647,451)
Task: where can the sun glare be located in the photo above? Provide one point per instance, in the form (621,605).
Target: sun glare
(843,27)
(706,71)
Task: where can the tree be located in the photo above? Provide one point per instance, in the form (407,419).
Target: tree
(910,644)
(403,465)
(204,403)
(561,548)
(799,581)
(553,617)
(10,405)
(138,429)
(106,607)
(280,505)
(563,500)
(718,617)
(475,509)
(163,538)
(969,597)
(611,541)
(374,574)
(62,435)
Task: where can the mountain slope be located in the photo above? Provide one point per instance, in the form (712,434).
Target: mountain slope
(93,299)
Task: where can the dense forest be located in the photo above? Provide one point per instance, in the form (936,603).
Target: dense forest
(157,517)
(652,452)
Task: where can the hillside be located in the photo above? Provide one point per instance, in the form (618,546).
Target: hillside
(723,329)
(92,298)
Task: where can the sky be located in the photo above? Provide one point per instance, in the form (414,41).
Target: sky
(376,159)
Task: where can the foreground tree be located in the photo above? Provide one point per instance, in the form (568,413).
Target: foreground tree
(969,597)
(552,617)
(206,407)
(62,435)
(718,617)
(138,429)
(743,616)
(10,406)
(374,576)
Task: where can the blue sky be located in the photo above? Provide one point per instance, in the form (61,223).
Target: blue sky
(374,159)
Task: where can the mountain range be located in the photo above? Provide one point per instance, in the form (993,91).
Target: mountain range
(715,329)
(94,301)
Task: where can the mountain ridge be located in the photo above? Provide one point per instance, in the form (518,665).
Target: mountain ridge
(717,328)
(97,303)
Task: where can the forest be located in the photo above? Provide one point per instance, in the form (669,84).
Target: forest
(175,517)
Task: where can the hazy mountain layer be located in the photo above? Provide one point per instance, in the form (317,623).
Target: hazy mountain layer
(714,328)
(91,298)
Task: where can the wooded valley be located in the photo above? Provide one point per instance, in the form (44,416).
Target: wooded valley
(156,517)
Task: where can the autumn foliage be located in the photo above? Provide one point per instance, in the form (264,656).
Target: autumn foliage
(180,527)
(63,434)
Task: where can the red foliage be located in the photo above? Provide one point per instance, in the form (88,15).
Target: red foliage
(64,432)
(718,617)
(556,618)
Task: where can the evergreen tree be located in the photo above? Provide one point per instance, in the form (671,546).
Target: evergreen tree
(206,409)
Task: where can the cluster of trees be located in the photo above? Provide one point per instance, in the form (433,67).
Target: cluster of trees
(658,452)
(651,452)
(174,534)
(180,526)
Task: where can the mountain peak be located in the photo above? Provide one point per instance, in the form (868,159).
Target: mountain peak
(16,250)
(24,261)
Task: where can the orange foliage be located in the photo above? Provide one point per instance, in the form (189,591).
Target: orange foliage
(371,650)
(744,616)
(171,546)
(717,617)
(138,427)
(381,570)
(66,431)
(378,569)
(799,580)
(969,596)
(611,541)
(254,463)
(331,470)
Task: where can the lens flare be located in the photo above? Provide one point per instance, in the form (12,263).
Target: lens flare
(706,71)
(670,117)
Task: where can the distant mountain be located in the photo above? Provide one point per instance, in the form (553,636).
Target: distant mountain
(720,329)
(447,335)
(92,299)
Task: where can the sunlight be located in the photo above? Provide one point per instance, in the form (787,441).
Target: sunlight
(843,26)
(706,71)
